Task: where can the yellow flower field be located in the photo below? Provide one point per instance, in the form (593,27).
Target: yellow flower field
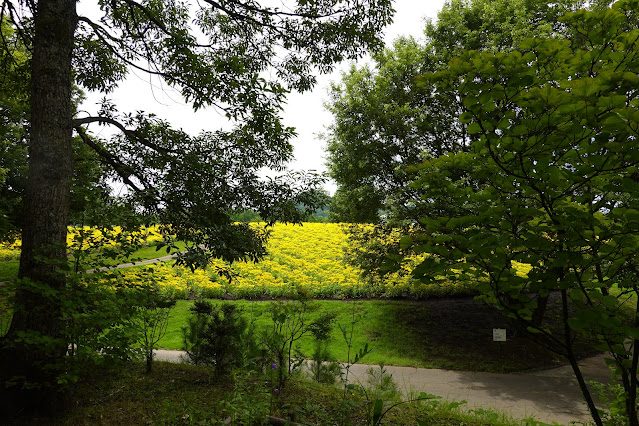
(9,251)
(89,236)
(86,237)
(304,260)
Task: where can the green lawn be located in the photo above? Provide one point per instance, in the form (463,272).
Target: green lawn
(9,268)
(404,333)
(447,334)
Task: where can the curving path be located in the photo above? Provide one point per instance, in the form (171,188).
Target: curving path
(123,265)
(138,263)
(549,395)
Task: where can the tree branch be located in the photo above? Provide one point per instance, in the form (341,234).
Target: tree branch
(103,34)
(289,14)
(121,169)
(131,134)
(23,35)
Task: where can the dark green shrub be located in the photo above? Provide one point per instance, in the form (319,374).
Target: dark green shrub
(100,323)
(193,332)
(323,365)
(96,328)
(218,336)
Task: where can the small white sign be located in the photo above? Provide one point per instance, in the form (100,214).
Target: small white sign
(499,334)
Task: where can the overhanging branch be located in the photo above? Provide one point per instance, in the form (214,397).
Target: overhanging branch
(123,171)
(131,134)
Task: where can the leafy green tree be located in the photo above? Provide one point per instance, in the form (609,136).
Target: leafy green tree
(380,125)
(239,56)
(556,129)
(14,101)
(89,189)
(384,121)
(497,25)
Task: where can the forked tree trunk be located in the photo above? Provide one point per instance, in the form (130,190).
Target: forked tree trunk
(43,259)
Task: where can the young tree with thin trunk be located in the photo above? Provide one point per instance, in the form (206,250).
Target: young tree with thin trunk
(556,128)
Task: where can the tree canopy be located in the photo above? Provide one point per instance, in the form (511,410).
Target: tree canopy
(240,57)
(14,107)
(384,122)
(555,124)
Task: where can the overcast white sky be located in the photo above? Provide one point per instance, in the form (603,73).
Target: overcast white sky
(305,111)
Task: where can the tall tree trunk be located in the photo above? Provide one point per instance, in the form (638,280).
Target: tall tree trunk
(32,367)
(631,395)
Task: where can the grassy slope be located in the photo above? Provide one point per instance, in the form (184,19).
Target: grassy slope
(9,268)
(449,333)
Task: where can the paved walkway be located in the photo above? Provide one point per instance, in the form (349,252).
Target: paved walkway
(124,265)
(549,396)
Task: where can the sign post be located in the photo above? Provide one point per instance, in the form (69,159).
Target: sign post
(499,335)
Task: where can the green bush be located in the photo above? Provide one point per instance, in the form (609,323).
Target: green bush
(219,336)
(323,365)
(100,323)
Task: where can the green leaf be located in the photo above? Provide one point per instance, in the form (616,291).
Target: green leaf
(474,128)
(377,410)
(466,117)
(634,333)
(405,242)
(610,301)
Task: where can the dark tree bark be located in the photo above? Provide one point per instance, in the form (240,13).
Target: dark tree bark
(573,361)
(32,368)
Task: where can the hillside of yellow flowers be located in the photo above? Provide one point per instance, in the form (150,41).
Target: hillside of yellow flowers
(302,260)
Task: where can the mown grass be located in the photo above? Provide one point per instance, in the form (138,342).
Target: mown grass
(182,394)
(9,268)
(450,334)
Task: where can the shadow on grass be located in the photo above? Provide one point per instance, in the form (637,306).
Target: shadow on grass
(457,333)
